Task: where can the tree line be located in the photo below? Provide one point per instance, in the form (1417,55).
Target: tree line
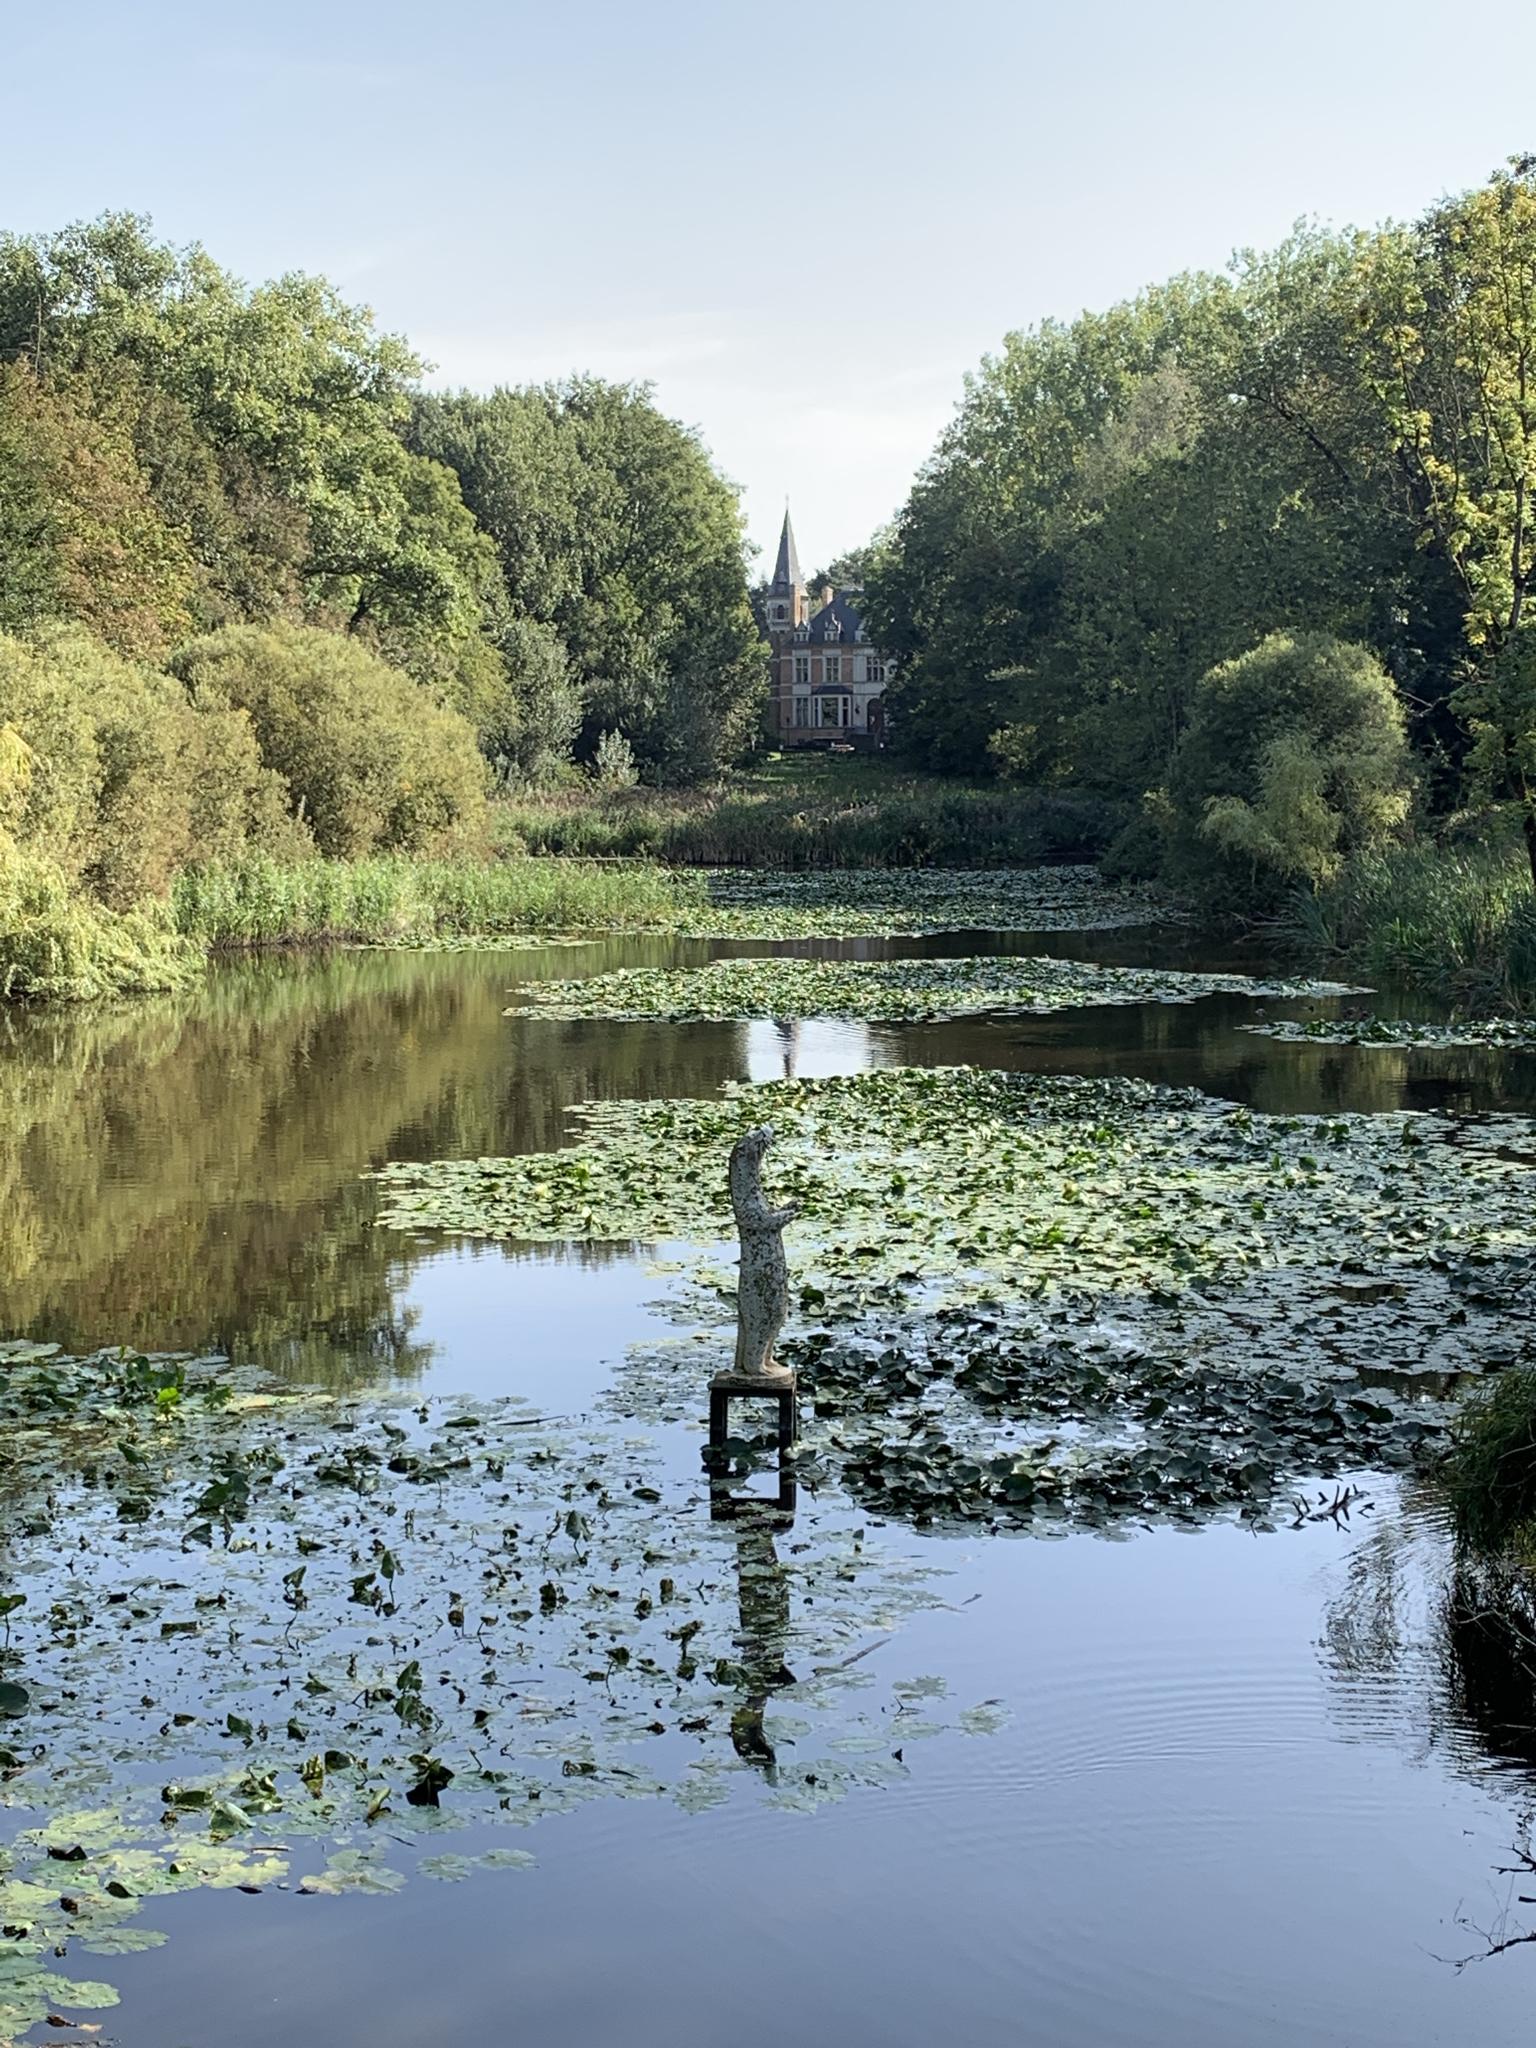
(185,456)
(1252,554)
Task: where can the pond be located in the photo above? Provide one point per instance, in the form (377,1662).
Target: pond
(1172,1779)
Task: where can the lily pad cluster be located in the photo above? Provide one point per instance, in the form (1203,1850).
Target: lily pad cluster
(1516,1033)
(1027,1297)
(254,1639)
(843,903)
(887,991)
(892,902)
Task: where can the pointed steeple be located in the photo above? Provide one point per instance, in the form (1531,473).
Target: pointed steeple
(786,570)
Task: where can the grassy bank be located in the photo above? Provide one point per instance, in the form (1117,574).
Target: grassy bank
(1459,923)
(57,944)
(262,902)
(835,811)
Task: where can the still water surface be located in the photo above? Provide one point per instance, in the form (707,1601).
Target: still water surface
(1238,1793)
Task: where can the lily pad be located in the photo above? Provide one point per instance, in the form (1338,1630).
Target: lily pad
(886,991)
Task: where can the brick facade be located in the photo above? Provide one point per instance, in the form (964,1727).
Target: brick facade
(827,681)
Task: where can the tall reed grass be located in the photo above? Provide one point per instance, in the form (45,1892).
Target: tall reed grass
(1489,1472)
(855,816)
(257,901)
(59,944)
(1460,922)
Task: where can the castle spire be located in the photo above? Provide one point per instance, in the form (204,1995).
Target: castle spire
(786,570)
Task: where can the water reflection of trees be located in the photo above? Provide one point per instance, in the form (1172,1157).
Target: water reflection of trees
(1434,1649)
(1201,1045)
(187,1172)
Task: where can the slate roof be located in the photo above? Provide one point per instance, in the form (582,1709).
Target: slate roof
(786,570)
(838,613)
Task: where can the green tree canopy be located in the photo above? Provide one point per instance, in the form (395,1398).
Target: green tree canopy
(1295,755)
(615,532)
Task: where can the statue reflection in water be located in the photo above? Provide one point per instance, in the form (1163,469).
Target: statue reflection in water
(762,1607)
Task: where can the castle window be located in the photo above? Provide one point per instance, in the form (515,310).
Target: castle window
(874,670)
(802,711)
(831,711)
(802,668)
(832,668)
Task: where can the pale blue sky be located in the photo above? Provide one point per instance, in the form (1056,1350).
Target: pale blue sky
(802,223)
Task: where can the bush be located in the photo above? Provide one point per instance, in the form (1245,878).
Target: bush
(1295,757)
(371,763)
(613,762)
(127,777)
(1490,1470)
(816,811)
(57,944)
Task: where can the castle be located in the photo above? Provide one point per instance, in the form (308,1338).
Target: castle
(827,683)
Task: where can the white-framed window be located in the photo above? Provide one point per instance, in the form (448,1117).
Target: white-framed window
(874,670)
(802,711)
(833,629)
(802,668)
(831,711)
(832,668)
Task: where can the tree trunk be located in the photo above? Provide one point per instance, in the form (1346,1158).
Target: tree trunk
(1528,826)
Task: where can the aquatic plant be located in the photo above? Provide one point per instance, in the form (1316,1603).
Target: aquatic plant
(391,899)
(1458,920)
(1034,1296)
(761,904)
(1513,1032)
(894,991)
(314,1627)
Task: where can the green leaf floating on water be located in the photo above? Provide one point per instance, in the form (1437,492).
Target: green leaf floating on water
(1042,1299)
(737,903)
(1516,1033)
(886,991)
(543,1582)
(353,1870)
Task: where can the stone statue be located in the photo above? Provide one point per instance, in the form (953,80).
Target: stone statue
(762,1292)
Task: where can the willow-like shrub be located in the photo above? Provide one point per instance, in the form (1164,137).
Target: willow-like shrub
(371,762)
(122,775)
(59,945)
(1294,758)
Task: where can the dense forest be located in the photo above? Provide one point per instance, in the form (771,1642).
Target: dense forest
(1252,554)
(184,456)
